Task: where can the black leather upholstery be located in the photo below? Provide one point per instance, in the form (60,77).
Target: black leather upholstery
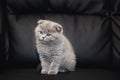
(91,40)
(92,26)
(86,24)
(115,22)
(61,6)
(80,74)
(2,33)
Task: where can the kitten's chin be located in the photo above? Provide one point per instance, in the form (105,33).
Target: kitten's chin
(50,42)
(45,41)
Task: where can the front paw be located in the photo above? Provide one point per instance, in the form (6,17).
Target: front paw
(52,72)
(44,71)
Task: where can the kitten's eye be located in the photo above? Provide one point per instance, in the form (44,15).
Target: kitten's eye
(48,34)
(41,32)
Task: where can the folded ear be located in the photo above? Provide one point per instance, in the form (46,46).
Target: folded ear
(40,21)
(58,28)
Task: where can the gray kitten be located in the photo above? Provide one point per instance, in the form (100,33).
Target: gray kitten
(55,51)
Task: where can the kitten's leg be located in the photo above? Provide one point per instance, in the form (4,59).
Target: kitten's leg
(54,66)
(45,65)
(62,70)
(71,65)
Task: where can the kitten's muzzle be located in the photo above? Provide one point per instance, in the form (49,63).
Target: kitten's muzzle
(43,38)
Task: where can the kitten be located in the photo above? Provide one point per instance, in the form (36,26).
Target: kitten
(55,51)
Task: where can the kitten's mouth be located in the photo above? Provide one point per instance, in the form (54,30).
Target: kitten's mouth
(49,42)
(46,40)
(43,40)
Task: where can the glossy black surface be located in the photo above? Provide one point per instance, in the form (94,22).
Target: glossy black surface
(92,26)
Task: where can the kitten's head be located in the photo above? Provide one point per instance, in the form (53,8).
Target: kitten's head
(49,32)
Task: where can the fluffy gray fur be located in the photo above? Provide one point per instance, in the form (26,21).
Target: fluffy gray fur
(55,51)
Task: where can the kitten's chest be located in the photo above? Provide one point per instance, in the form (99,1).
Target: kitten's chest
(50,51)
(47,50)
